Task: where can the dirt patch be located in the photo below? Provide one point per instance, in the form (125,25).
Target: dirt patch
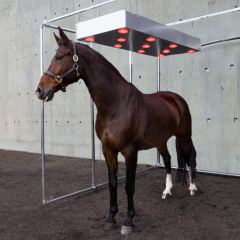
(214,213)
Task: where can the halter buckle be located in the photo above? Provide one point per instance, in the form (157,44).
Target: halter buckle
(63,88)
(75,66)
(58,79)
(75,58)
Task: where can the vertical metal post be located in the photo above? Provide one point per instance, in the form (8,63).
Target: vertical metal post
(93,141)
(158,74)
(130,66)
(158,89)
(42,120)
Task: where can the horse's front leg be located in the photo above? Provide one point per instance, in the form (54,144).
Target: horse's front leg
(112,164)
(131,163)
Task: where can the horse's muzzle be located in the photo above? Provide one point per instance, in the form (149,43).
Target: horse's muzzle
(40,94)
(49,96)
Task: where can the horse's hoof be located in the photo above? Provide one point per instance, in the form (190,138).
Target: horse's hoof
(166,196)
(109,226)
(193,192)
(126,230)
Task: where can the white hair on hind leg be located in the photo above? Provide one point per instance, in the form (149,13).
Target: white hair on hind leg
(192,186)
(169,186)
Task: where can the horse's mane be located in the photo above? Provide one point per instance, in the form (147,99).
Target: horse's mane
(105,60)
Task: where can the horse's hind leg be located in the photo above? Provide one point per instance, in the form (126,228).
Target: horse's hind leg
(112,164)
(167,162)
(190,158)
(192,170)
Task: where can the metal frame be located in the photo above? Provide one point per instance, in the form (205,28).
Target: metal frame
(219,41)
(158,89)
(203,17)
(47,24)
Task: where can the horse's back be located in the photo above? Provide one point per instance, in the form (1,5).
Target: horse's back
(185,124)
(166,98)
(165,111)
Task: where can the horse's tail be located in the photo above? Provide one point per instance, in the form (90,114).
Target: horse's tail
(181,175)
(193,163)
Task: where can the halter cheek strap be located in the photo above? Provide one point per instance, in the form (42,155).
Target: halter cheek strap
(75,67)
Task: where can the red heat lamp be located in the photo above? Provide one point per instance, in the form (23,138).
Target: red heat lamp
(89,39)
(146,46)
(121,39)
(123,30)
(151,39)
(166,51)
(161,55)
(117,45)
(191,51)
(173,45)
(141,51)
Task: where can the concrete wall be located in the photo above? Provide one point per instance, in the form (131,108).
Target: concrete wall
(209,81)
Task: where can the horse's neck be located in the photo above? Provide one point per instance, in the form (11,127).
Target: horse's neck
(102,80)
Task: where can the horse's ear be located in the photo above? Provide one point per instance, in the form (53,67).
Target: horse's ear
(58,40)
(63,36)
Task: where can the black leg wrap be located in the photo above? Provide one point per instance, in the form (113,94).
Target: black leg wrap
(128,222)
(110,222)
(110,219)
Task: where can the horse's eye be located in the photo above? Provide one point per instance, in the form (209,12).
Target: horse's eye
(58,58)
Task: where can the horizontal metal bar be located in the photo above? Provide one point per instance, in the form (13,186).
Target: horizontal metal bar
(82,10)
(203,17)
(144,170)
(207,172)
(45,24)
(219,173)
(92,188)
(121,178)
(68,195)
(218,41)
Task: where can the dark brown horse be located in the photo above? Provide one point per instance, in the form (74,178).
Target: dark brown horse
(127,120)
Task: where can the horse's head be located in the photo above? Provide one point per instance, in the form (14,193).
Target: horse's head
(64,69)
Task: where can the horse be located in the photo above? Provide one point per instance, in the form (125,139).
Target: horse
(127,120)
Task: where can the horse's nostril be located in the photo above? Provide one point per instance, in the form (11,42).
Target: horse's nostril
(38,91)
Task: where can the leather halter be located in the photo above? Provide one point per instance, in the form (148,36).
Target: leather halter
(75,67)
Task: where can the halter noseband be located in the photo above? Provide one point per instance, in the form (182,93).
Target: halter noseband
(75,67)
